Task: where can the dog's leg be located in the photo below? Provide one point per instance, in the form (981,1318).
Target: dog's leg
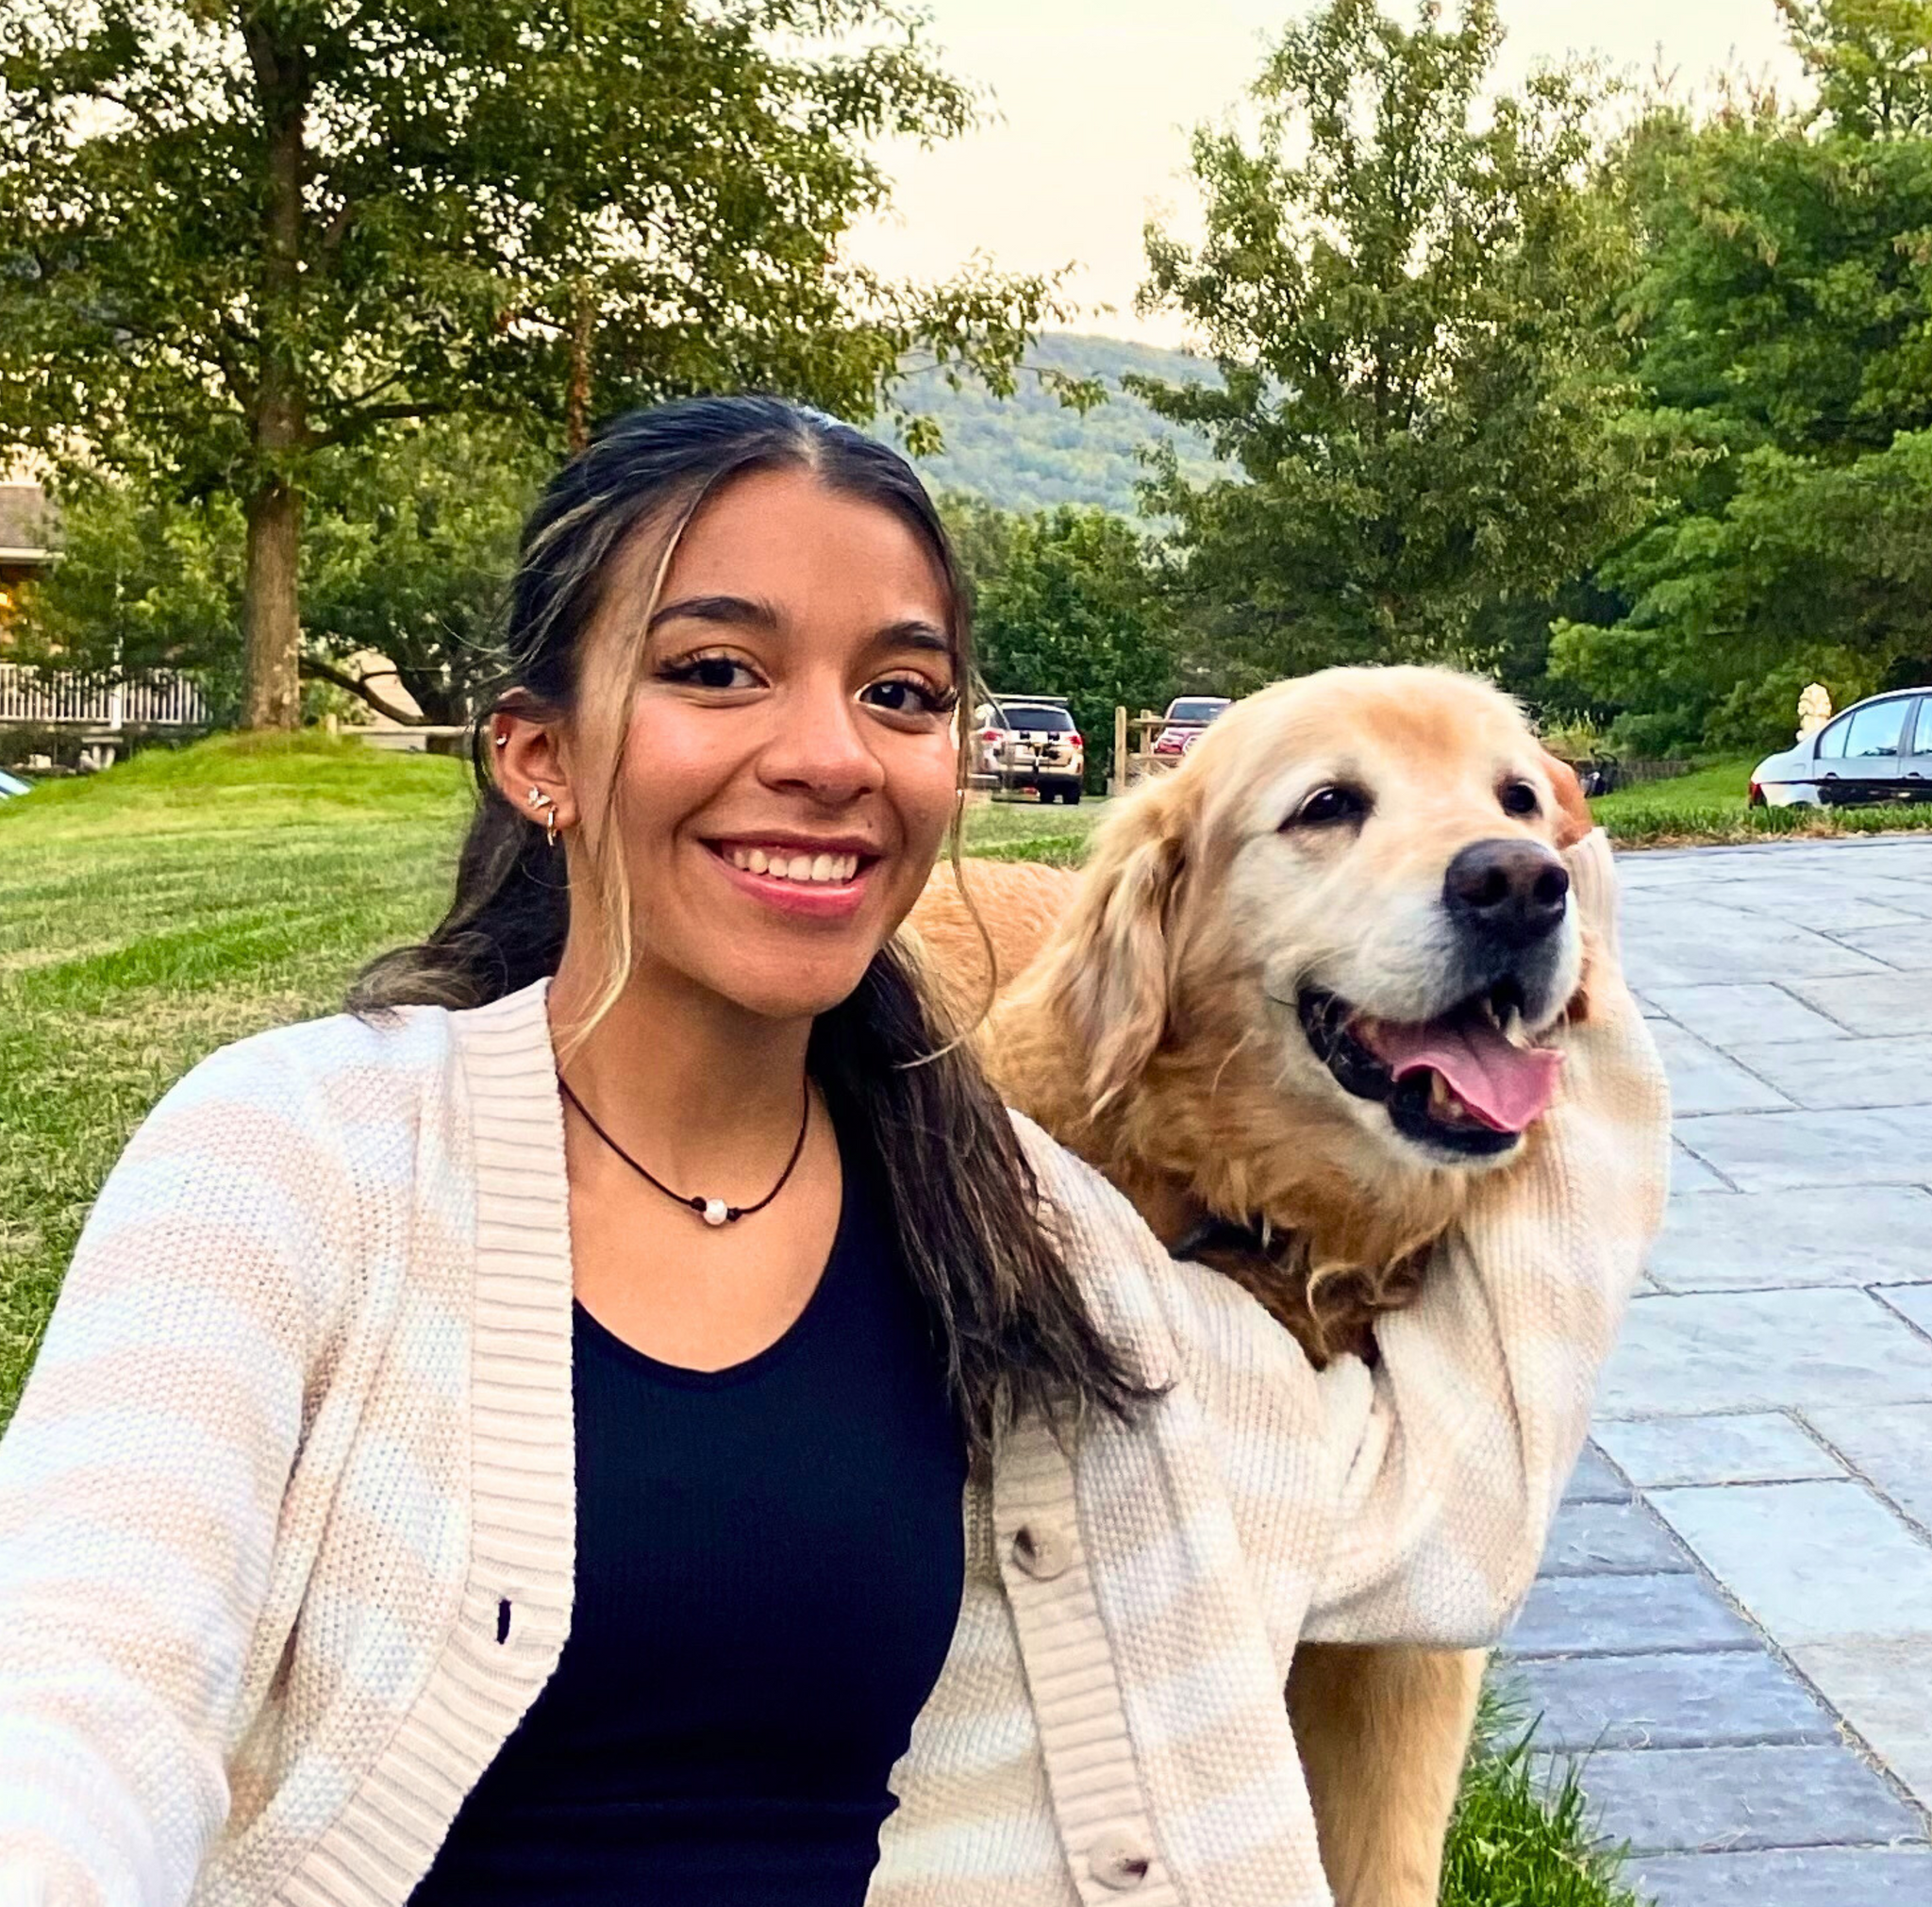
(1383,1732)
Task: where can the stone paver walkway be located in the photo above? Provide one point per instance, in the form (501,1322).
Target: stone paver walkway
(1735,1618)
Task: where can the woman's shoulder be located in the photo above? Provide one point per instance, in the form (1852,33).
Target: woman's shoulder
(1208,1326)
(358,1062)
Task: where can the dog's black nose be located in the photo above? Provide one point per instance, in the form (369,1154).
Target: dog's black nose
(1510,891)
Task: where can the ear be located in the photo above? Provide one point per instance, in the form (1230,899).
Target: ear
(529,760)
(1117,965)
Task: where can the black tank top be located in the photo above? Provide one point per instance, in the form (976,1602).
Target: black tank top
(769,1567)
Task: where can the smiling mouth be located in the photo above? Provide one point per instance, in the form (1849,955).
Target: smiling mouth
(1469,1081)
(803,868)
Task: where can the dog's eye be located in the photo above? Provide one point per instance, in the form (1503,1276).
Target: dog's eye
(1519,798)
(1327,805)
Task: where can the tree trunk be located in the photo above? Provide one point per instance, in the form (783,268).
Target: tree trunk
(577,404)
(270,627)
(271,613)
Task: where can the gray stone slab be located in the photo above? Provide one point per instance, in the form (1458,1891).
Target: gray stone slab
(1840,1072)
(1907,948)
(1620,1539)
(1595,1480)
(1696,943)
(1625,1615)
(1912,1302)
(1730,1697)
(1884,1690)
(1753,1239)
(1811,1561)
(1766,1151)
(1760,1446)
(1705,1080)
(1724,1800)
(1690,1174)
(1891,1445)
(1746,1012)
(1647,1008)
(1907,897)
(1762,1350)
(1882,1005)
(1809,1877)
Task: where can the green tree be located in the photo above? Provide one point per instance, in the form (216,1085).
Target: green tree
(1784,324)
(1870,59)
(1074,608)
(1406,288)
(145,582)
(236,237)
(412,561)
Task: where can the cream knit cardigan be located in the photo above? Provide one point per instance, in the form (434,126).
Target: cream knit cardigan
(286,1513)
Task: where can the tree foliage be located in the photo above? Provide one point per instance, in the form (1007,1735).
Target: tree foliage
(408,554)
(236,238)
(1067,602)
(1406,288)
(1784,324)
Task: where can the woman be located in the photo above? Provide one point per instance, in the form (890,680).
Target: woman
(512,1442)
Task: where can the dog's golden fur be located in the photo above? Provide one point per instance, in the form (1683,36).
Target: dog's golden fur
(1144,1017)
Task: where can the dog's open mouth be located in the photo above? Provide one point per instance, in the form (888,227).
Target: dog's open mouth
(1469,1081)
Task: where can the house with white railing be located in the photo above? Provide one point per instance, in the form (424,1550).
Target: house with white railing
(103,709)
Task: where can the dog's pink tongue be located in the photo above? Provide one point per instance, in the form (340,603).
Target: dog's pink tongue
(1505,1086)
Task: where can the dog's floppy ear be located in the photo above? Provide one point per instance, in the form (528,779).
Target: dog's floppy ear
(1118,967)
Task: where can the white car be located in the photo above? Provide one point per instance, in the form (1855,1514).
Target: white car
(1878,752)
(1030,741)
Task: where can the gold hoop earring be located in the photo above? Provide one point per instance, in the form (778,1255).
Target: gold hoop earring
(547,808)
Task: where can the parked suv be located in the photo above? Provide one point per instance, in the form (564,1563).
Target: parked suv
(1030,742)
(1877,752)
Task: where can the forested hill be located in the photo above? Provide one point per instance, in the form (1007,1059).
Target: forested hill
(1030,452)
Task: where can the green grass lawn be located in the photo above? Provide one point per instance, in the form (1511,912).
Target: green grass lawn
(1709,806)
(185,899)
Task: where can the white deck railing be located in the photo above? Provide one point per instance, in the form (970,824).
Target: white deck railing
(66,698)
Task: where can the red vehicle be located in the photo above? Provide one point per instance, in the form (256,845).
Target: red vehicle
(1189,718)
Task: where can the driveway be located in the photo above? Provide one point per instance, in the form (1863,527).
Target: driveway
(1735,1618)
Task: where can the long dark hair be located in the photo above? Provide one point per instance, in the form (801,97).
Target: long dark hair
(965,1208)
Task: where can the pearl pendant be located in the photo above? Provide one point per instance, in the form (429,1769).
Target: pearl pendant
(716,1212)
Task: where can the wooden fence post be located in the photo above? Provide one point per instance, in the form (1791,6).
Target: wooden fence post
(1117,782)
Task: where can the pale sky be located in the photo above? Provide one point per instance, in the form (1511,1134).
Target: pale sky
(1096,99)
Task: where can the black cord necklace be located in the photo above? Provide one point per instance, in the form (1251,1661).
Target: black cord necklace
(713,1210)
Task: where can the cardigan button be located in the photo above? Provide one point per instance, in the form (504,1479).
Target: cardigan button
(1119,1859)
(1041,1551)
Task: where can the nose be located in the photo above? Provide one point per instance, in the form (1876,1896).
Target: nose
(1513,891)
(820,749)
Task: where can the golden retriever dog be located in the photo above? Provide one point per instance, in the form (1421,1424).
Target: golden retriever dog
(1292,1007)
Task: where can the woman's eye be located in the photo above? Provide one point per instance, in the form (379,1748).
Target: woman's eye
(1327,805)
(1519,798)
(902,696)
(712,672)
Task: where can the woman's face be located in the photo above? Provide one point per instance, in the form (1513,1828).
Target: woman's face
(789,764)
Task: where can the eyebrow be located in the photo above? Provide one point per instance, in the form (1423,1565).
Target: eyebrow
(734,609)
(738,611)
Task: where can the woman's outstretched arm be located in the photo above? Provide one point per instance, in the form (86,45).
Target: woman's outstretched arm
(142,1477)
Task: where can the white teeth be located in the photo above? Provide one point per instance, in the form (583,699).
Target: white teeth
(779,865)
(1513,1029)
